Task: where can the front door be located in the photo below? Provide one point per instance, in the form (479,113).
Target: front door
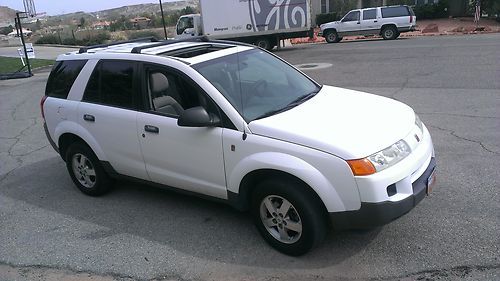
(187,158)
(350,23)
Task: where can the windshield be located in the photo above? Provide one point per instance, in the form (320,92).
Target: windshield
(257,84)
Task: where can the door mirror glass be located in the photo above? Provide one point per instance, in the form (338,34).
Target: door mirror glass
(197,117)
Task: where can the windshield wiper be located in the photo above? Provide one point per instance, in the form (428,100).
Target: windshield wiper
(291,105)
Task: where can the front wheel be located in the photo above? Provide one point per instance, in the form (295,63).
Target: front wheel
(86,170)
(288,216)
(332,37)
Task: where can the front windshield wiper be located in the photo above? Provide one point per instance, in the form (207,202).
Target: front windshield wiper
(290,105)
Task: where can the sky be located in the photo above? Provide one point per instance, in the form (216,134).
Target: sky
(56,7)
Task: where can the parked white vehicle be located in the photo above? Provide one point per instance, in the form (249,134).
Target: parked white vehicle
(387,21)
(238,124)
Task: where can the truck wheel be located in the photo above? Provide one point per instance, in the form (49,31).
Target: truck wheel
(390,33)
(332,37)
(288,216)
(86,170)
(263,43)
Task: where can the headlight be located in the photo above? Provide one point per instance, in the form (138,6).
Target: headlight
(381,160)
(390,156)
(419,123)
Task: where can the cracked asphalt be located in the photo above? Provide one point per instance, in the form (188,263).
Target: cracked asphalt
(50,231)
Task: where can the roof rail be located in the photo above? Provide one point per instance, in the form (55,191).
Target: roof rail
(137,50)
(144,39)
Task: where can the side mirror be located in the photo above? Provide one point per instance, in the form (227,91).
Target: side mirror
(189,30)
(197,117)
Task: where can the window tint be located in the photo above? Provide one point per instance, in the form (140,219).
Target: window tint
(352,16)
(112,83)
(62,77)
(391,12)
(370,14)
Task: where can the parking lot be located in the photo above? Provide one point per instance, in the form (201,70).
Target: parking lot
(49,230)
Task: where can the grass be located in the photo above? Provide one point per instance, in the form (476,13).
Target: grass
(9,65)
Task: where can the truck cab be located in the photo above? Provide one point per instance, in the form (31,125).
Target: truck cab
(188,26)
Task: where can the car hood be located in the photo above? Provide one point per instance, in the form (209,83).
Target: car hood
(346,123)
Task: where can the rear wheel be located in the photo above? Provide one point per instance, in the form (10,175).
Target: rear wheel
(86,170)
(288,216)
(264,43)
(390,33)
(332,37)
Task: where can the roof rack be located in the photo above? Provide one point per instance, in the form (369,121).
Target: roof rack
(137,50)
(144,39)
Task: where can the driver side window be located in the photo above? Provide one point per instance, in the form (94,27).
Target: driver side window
(352,16)
(170,94)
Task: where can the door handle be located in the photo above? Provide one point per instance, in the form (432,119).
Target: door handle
(151,129)
(359,22)
(88,117)
(375,21)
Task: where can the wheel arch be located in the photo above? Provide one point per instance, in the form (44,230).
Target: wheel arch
(66,133)
(386,25)
(262,166)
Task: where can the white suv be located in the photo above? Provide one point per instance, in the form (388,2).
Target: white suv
(235,123)
(388,21)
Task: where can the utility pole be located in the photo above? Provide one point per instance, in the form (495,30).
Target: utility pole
(163,20)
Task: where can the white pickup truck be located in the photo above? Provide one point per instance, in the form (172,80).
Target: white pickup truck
(387,21)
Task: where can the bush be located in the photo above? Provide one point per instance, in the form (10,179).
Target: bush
(145,33)
(432,11)
(324,18)
(48,39)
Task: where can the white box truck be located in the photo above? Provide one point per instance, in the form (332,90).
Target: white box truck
(259,22)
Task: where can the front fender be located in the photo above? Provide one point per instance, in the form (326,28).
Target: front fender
(293,166)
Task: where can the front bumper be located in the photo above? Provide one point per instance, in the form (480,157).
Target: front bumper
(371,215)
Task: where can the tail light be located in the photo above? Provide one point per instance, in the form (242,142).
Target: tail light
(41,106)
(411,19)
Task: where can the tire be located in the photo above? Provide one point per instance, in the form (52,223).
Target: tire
(390,33)
(264,43)
(86,170)
(295,230)
(332,37)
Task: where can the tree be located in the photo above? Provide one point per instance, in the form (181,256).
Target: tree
(82,22)
(6,30)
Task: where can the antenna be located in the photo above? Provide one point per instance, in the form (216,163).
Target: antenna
(29,8)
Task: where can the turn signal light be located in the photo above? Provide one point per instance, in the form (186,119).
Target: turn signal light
(361,167)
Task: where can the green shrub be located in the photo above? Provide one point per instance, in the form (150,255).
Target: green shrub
(432,11)
(145,33)
(48,39)
(324,18)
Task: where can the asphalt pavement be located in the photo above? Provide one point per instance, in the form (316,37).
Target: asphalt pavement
(49,230)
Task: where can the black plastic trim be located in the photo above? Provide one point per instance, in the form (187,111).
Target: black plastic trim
(108,168)
(371,215)
(52,143)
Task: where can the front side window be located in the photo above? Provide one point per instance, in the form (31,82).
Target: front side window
(370,14)
(170,93)
(256,83)
(62,77)
(352,16)
(112,83)
(183,24)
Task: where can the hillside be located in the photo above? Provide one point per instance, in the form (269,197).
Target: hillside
(7,13)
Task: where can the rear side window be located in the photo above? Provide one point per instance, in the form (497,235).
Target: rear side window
(112,83)
(370,14)
(392,12)
(62,77)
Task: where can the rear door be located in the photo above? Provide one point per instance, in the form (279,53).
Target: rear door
(108,111)
(369,21)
